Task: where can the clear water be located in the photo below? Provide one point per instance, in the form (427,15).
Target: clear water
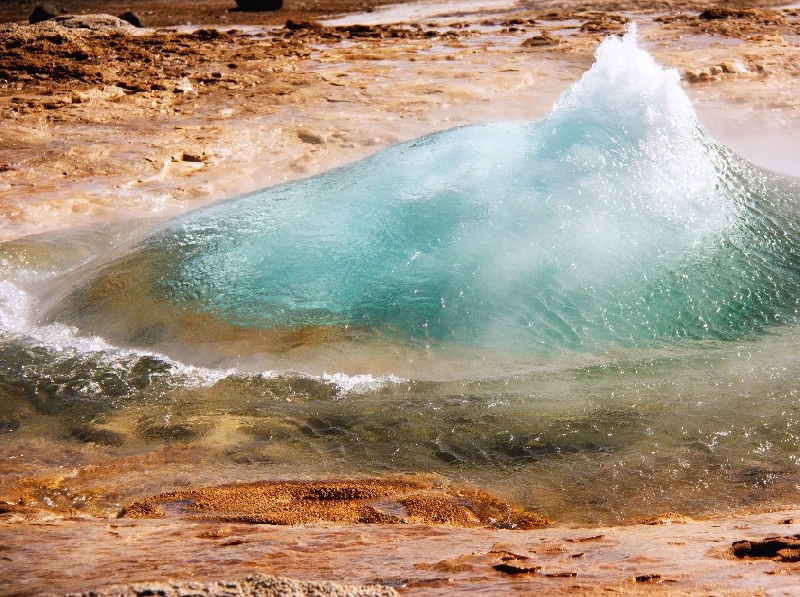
(595,314)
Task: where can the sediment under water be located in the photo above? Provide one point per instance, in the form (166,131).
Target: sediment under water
(594,314)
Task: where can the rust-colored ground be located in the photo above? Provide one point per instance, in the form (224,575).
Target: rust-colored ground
(360,501)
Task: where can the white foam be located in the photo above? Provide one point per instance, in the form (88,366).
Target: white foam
(360,383)
(17,306)
(16,322)
(626,82)
(14,309)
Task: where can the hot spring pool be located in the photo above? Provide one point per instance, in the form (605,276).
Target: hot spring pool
(594,314)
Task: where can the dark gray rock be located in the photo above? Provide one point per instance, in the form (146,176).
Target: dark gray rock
(178,429)
(259,5)
(42,12)
(132,18)
(89,434)
(8,425)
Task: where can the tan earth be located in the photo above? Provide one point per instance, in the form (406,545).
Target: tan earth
(103,121)
(124,122)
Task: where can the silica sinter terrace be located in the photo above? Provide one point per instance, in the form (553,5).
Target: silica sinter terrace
(594,314)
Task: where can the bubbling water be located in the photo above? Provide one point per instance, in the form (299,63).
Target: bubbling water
(615,221)
(594,314)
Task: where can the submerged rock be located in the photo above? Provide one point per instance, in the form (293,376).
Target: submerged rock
(168,429)
(8,425)
(94,435)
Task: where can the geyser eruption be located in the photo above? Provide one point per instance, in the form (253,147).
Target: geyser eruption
(545,309)
(615,221)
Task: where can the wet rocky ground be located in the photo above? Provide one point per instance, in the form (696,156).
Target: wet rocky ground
(104,121)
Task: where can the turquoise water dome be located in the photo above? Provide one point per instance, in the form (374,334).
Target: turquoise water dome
(615,220)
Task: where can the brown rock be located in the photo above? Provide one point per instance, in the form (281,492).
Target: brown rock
(721,13)
(293,25)
(433,510)
(545,39)
(515,568)
(408,500)
(309,136)
(649,578)
(191,157)
(453,566)
(666,518)
(603,22)
(140,510)
(758,15)
(780,549)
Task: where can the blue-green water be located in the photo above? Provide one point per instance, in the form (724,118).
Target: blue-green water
(595,314)
(615,221)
